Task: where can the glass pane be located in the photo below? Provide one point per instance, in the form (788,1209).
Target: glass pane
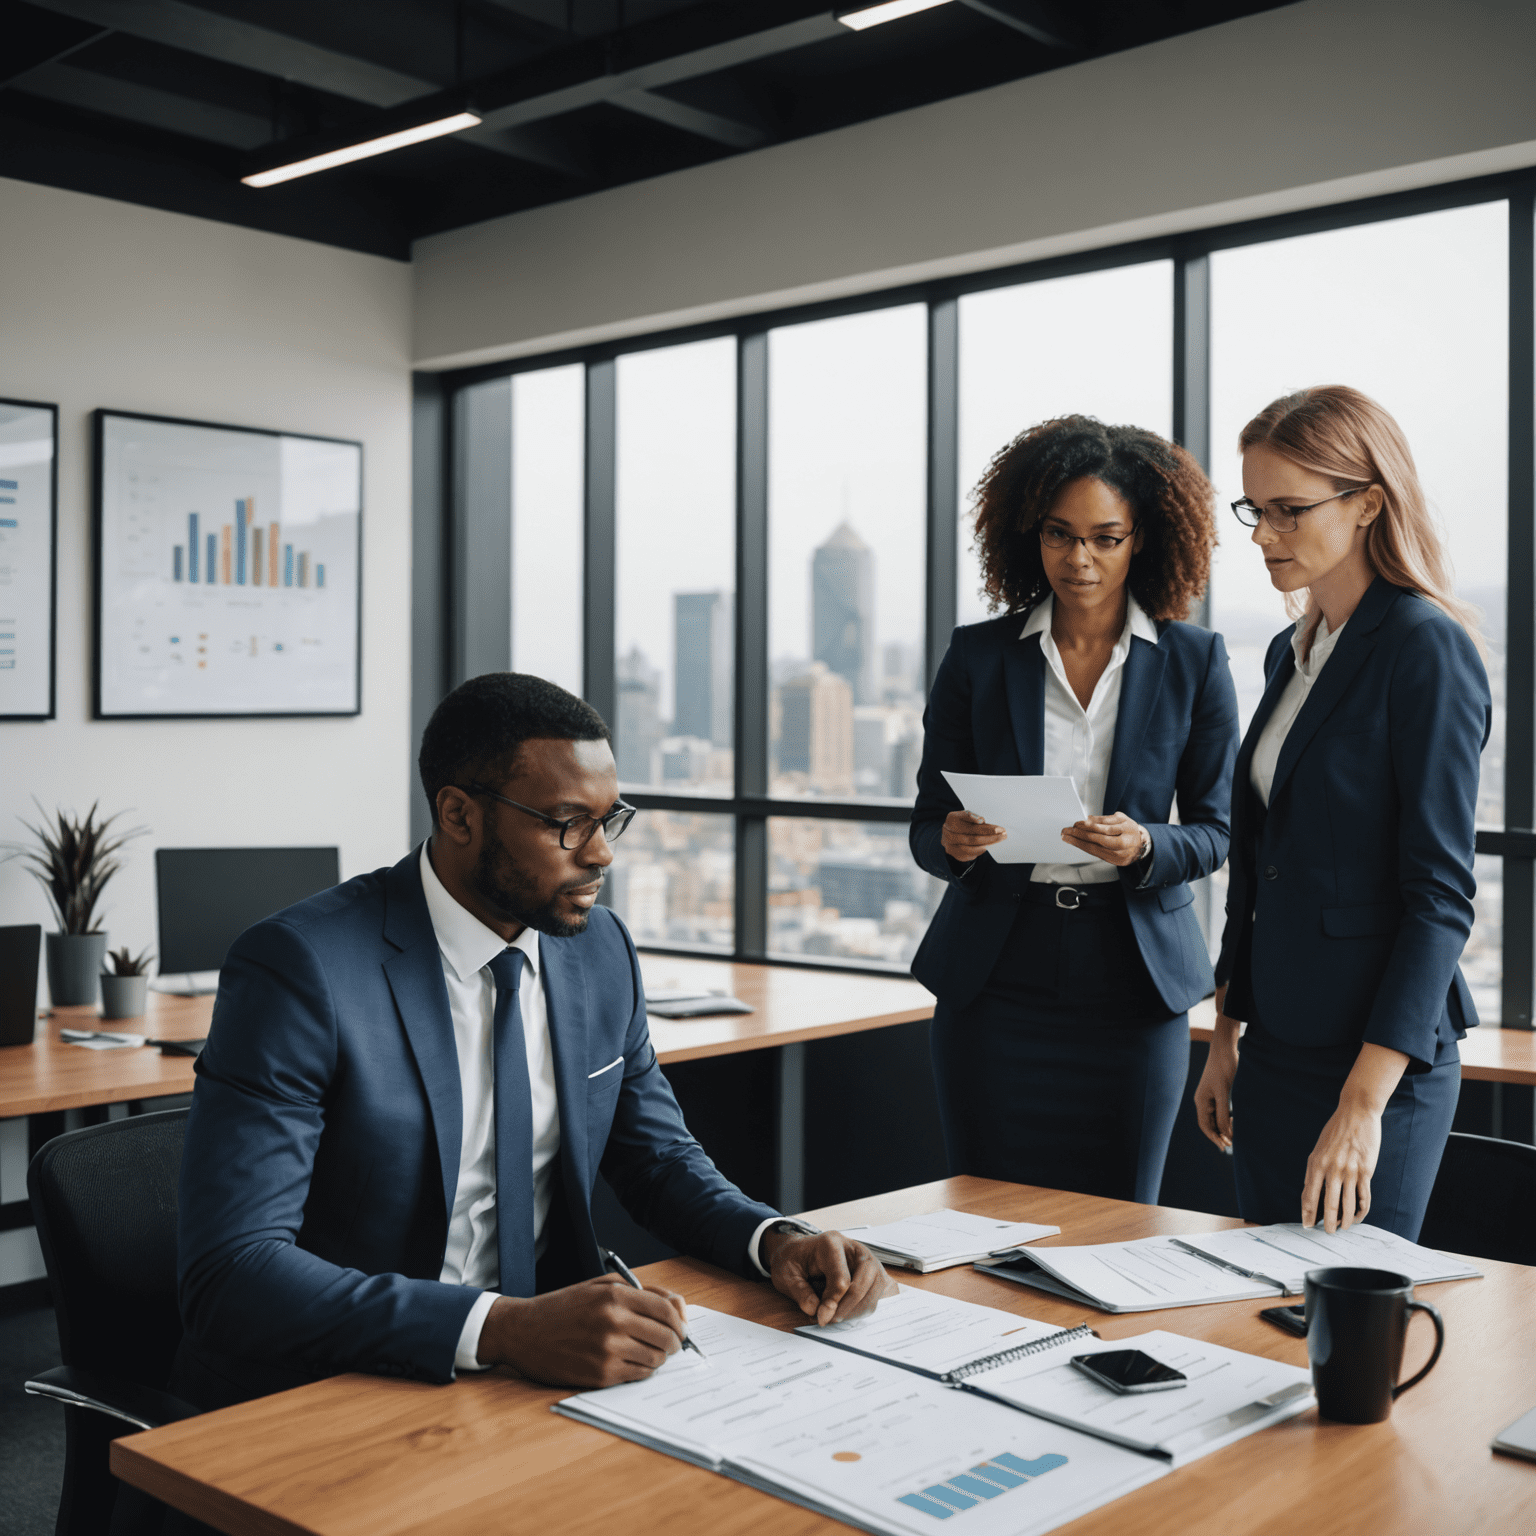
(676,576)
(847,532)
(548,499)
(1415,313)
(1482,961)
(673,879)
(1099,344)
(846,890)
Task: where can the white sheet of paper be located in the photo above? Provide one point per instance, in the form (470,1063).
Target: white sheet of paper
(1286,1252)
(1031,807)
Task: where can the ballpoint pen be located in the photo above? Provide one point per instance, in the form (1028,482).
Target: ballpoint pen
(612,1261)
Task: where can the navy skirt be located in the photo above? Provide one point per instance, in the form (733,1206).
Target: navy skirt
(1067,1070)
(1282,1098)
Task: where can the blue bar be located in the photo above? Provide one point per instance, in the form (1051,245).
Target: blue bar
(176,563)
(974,1485)
(990,1469)
(1030,1468)
(319,575)
(242,516)
(287,565)
(7,522)
(928,1506)
(192,548)
(9,485)
(947,1495)
(213,550)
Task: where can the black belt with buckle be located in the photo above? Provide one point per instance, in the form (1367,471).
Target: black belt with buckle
(1073,898)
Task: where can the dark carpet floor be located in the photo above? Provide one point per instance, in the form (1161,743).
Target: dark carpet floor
(31,1428)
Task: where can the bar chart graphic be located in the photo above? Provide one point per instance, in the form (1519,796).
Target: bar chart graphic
(986,1481)
(263,567)
(230,573)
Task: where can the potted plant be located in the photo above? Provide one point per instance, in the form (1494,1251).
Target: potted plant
(74,859)
(124,984)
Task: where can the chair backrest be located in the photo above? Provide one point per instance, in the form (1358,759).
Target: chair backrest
(1484,1200)
(104,1200)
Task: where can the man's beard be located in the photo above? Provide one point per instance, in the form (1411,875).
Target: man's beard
(509,891)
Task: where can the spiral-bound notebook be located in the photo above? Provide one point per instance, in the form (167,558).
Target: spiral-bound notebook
(1027,1365)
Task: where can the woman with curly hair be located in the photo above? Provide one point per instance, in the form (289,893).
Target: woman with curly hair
(1350,894)
(1060,1039)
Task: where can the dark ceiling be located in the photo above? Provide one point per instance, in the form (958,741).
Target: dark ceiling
(168,103)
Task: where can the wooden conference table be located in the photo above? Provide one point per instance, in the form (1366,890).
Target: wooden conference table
(364,1456)
(791,1006)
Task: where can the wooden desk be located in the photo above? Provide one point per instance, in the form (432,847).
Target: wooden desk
(360,1456)
(1488,1054)
(49,1075)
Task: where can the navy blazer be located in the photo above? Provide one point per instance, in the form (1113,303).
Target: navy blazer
(1175,739)
(322,1152)
(1360,872)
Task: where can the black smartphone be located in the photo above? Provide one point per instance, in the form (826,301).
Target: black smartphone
(1129,1370)
(1292,1319)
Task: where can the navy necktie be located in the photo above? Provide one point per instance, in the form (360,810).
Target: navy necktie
(514,1132)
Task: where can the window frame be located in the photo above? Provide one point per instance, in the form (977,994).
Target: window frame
(446,446)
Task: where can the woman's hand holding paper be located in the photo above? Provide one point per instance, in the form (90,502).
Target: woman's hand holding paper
(967,836)
(1115,839)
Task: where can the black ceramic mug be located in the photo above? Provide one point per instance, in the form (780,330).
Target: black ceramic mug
(1357,1320)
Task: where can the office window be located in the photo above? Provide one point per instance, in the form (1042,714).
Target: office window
(1414,312)
(548,501)
(673,880)
(675,506)
(847,536)
(846,890)
(1096,344)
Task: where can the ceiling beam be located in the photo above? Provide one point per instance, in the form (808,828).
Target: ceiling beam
(57,58)
(177,25)
(694,120)
(1045,21)
(135,103)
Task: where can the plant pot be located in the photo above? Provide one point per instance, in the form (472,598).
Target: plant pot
(74,967)
(123,997)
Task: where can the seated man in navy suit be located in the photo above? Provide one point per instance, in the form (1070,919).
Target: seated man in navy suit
(413,1080)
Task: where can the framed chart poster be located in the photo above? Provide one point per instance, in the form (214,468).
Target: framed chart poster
(228,571)
(29,459)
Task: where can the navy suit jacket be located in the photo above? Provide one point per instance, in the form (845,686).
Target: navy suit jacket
(1175,740)
(1360,872)
(322,1151)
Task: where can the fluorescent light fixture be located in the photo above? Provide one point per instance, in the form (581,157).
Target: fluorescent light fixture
(379,146)
(891,10)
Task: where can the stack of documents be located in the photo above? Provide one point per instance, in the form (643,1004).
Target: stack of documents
(1140,1276)
(865,1435)
(1236,1265)
(1282,1255)
(942,1239)
(1031,808)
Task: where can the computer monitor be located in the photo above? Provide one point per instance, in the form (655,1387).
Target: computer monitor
(208,897)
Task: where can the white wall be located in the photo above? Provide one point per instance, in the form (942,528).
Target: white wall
(107,304)
(1301,106)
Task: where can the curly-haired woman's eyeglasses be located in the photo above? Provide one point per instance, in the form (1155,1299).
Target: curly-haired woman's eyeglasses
(575,831)
(1283,519)
(1104,543)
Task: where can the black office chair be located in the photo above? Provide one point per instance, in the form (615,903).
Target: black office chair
(1484,1200)
(104,1201)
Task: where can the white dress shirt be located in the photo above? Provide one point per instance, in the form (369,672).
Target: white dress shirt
(1266,750)
(1080,742)
(467,947)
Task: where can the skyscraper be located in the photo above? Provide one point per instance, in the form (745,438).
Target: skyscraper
(843,611)
(703,669)
(639,716)
(816,730)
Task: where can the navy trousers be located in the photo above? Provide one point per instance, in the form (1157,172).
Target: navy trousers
(1283,1096)
(1067,1071)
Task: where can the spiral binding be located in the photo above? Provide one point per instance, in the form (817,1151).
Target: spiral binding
(1019,1352)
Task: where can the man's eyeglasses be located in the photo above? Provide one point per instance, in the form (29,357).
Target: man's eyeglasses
(575,831)
(1283,519)
(1104,543)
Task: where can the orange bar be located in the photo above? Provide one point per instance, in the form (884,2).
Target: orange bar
(224,553)
(256,553)
(272,554)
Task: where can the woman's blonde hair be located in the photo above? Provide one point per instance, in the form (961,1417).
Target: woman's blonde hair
(1345,436)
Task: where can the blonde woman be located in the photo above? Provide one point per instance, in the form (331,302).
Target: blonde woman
(1350,894)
